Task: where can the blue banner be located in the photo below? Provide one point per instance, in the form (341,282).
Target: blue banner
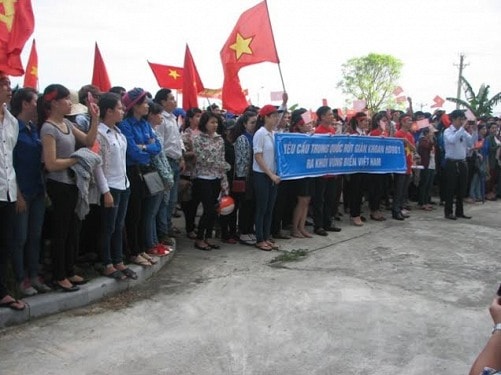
(300,155)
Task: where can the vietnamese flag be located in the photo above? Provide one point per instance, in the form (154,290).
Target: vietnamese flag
(397,91)
(100,74)
(16,26)
(192,84)
(439,102)
(250,42)
(31,74)
(168,77)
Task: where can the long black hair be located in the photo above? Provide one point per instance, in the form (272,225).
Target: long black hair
(51,93)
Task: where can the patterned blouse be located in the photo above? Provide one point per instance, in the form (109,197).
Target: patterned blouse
(243,156)
(209,152)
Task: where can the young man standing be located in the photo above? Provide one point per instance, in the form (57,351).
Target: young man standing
(9,131)
(457,142)
(173,147)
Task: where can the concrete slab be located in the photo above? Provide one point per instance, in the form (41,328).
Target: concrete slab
(393,297)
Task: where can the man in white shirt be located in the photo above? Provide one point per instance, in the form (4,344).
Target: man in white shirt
(457,142)
(9,130)
(173,147)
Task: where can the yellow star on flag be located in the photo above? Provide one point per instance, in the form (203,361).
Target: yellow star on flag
(174,74)
(34,71)
(242,45)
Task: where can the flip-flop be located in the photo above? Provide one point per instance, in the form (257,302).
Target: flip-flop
(213,245)
(117,275)
(272,245)
(204,248)
(129,273)
(263,247)
(11,305)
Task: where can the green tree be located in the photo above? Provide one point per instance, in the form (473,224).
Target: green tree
(371,78)
(479,104)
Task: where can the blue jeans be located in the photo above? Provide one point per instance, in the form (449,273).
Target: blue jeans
(476,188)
(164,217)
(266,194)
(27,237)
(151,207)
(112,226)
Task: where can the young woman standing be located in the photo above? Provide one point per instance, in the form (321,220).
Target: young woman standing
(59,137)
(210,176)
(265,178)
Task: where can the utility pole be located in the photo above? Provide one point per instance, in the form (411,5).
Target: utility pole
(461,66)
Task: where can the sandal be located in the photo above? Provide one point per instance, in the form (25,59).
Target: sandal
(129,273)
(117,275)
(191,235)
(213,245)
(139,260)
(202,247)
(13,304)
(148,258)
(263,246)
(272,245)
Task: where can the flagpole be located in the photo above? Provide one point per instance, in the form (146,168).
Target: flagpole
(275,46)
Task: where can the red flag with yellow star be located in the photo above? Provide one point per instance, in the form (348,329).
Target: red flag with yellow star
(250,42)
(16,26)
(31,74)
(168,77)
(192,84)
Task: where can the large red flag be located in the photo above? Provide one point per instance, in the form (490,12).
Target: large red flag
(100,76)
(16,26)
(169,77)
(250,42)
(192,84)
(31,74)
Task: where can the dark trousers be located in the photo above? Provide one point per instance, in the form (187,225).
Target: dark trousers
(401,183)
(456,177)
(324,199)
(266,193)
(375,182)
(7,216)
(133,225)
(246,211)
(228,223)
(65,227)
(282,214)
(355,184)
(425,184)
(207,192)
(112,227)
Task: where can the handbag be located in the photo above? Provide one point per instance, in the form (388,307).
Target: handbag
(238,186)
(153,182)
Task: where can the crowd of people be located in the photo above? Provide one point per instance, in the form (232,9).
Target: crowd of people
(106,173)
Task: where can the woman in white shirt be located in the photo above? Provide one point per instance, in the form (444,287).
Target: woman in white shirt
(113,185)
(265,177)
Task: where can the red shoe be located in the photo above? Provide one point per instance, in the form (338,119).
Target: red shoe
(164,246)
(157,251)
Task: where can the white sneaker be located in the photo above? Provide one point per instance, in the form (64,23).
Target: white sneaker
(40,286)
(27,290)
(247,239)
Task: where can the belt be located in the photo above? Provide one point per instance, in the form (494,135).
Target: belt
(455,160)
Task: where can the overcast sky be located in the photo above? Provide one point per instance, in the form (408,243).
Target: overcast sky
(314,38)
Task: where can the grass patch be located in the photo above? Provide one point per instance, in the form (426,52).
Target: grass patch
(290,256)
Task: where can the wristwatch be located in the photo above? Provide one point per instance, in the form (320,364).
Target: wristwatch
(497,327)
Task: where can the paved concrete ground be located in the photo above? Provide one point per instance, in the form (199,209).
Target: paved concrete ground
(394,297)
